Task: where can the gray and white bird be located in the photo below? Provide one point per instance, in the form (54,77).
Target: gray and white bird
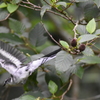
(12,60)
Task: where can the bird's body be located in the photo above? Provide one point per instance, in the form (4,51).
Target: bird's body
(13,60)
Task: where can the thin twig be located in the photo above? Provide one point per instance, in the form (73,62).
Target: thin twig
(98,20)
(6,17)
(51,35)
(90,42)
(38,8)
(75,33)
(47,2)
(58,14)
(29,3)
(61,11)
(69,5)
(26,6)
(70,84)
(49,11)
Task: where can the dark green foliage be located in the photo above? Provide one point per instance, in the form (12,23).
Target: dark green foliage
(36,35)
(65,20)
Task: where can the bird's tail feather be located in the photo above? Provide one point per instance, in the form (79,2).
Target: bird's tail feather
(50,56)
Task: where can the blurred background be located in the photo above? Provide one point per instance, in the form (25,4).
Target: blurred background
(60,29)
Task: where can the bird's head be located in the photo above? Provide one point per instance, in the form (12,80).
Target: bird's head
(8,82)
(13,81)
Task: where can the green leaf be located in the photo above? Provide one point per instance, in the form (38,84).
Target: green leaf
(48,49)
(4,29)
(15,1)
(96,45)
(26,97)
(16,26)
(87,37)
(64,44)
(90,59)
(3,5)
(36,35)
(52,87)
(31,95)
(61,3)
(88,51)
(52,76)
(11,38)
(81,29)
(12,7)
(91,26)
(97,2)
(97,32)
(43,9)
(71,70)
(90,11)
(80,72)
(3,14)
(65,76)
(63,61)
(53,1)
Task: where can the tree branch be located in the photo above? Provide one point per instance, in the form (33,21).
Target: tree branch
(38,8)
(51,35)
(70,84)
(75,33)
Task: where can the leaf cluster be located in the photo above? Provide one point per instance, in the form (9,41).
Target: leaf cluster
(51,80)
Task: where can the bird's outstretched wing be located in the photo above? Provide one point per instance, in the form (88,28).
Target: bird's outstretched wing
(35,64)
(10,57)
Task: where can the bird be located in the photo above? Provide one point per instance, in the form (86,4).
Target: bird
(12,60)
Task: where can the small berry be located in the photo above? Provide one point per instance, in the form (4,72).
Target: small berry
(74,43)
(82,47)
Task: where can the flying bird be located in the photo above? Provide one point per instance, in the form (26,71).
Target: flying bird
(12,60)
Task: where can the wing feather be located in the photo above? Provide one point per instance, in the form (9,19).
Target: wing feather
(11,54)
(8,66)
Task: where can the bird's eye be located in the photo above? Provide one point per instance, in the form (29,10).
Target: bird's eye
(7,81)
(26,69)
(30,72)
